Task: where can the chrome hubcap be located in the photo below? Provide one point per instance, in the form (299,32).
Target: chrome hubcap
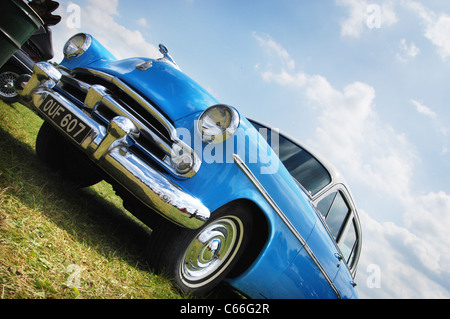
(7,84)
(211,251)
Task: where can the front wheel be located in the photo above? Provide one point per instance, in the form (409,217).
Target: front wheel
(8,74)
(62,157)
(198,260)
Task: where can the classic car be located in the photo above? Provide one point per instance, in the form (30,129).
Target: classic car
(227,198)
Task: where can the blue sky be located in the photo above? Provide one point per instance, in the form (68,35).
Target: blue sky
(362,82)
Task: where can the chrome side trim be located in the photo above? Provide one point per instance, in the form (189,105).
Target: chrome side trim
(283,217)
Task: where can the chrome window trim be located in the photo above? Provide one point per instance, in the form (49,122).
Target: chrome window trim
(353,216)
(284,218)
(334,175)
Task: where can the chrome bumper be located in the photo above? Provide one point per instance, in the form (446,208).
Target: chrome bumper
(109,148)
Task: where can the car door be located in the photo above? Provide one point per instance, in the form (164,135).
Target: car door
(339,221)
(348,247)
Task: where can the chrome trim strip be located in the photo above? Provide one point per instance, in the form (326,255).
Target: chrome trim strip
(22,63)
(283,217)
(97,93)
(125,88)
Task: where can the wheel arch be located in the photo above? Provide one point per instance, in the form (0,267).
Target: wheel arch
(259,236)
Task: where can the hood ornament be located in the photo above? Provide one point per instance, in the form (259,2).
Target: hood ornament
(167,58)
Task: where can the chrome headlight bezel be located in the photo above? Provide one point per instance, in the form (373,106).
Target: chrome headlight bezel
(77,45)
(182,160)
(209,124)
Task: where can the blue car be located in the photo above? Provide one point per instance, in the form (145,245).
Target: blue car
(228,198)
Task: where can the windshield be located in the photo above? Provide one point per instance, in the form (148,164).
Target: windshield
(305,168)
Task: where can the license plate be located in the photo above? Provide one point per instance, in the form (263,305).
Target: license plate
(65,119)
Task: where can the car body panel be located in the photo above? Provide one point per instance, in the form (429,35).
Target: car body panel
(299,256)
(171,90)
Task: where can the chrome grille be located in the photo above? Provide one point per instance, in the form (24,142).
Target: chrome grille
(105,97)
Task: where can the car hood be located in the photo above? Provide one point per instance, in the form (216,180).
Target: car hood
(171,90)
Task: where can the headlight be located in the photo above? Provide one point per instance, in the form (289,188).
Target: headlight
(218,123)
(77,45)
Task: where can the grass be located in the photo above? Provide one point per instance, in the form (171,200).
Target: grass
(59,243)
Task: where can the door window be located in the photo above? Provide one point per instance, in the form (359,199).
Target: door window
(336,212)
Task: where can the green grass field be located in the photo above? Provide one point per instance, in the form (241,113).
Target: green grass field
(56,242)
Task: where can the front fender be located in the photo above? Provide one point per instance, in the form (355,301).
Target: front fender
(221,180)
(96,52)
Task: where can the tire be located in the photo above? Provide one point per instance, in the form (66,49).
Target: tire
(8,74)
(62,157)
(198,260)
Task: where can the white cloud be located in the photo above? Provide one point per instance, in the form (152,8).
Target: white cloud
(423,109)
(370,153)
(410,266)
(108,7)
(439,34)
(99,18)
(366,15)
(124,43)
(354,25)
(430,217)
(274,48)
(349,132)
(437,27)
(285,78)
(407,52)
(142,22)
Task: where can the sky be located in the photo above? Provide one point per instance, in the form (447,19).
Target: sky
(364,83)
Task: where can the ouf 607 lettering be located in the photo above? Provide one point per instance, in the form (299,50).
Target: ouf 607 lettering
(65,119)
